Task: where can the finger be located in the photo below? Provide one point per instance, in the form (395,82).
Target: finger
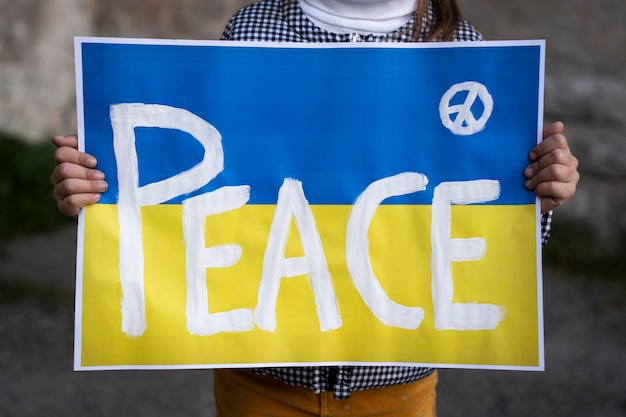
(557,156)
(72,155)
(558,173)
(72,194)
(68,170)
(553,129)
(554,194)
(550,143)
(71,141)
(71,205)
(68,187)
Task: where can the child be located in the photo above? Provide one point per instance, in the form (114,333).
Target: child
(342,390)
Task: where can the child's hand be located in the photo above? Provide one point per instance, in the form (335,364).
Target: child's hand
(76,184)
(553,173)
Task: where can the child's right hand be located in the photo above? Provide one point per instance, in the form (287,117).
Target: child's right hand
(76,183)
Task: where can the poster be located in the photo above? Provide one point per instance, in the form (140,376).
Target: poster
(279,204)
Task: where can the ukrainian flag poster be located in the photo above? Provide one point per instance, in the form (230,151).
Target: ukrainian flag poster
(283,204)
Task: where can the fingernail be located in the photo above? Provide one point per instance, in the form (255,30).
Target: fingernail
(98,175)
(92,162)
(102,186)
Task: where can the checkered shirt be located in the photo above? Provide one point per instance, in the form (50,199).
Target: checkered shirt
(284,21)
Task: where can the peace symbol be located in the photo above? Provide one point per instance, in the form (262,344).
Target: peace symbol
(458,118)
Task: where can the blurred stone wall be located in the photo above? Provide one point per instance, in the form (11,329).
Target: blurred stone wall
(36,69)
(585,82)
(36,49)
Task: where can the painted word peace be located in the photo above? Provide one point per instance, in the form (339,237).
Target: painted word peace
(291,204)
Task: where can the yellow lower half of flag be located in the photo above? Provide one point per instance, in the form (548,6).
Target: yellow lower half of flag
(400,253)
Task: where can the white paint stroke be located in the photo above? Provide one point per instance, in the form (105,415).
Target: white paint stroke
(357,249)
(292,203)
(465,123)
(125,118)
(199,257)
(445,250)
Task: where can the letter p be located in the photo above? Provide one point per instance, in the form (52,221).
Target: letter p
(124,119)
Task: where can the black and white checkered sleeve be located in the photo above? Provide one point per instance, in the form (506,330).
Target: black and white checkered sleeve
(546,227)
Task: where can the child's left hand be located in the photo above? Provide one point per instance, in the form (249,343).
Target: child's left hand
(553,173)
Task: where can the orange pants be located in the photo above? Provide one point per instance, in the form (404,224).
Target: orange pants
(240,393)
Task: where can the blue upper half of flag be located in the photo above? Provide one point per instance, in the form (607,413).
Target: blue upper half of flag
(336,119)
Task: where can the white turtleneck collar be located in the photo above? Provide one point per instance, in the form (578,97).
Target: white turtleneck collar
(364,17)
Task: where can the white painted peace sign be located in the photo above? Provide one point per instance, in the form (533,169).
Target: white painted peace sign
(464,123)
